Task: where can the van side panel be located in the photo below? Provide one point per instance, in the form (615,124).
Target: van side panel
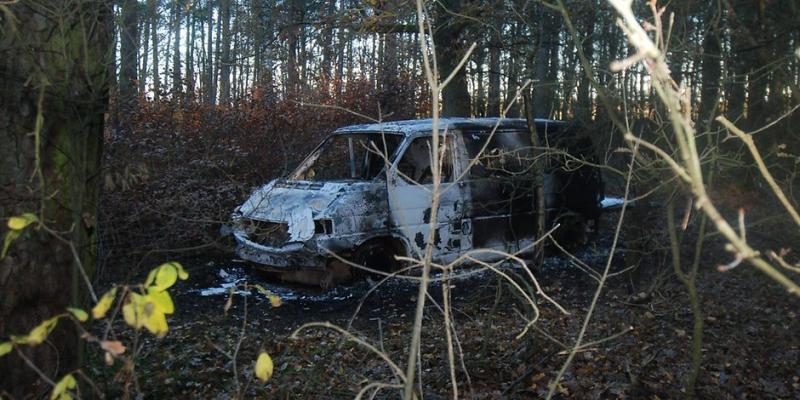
(501,187)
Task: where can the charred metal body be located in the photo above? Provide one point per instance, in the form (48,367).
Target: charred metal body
(365,195)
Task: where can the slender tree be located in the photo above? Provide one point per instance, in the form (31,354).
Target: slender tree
(129,61)
(54,92)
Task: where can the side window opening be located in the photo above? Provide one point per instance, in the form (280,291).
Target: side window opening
(416,161)
(507,154)
(356,156)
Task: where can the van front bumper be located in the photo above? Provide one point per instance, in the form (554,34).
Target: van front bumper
(288,256)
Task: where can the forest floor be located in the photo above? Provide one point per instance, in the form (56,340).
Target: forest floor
(751,343)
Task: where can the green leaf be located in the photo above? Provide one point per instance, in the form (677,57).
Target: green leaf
(17,339)
(6,348)
(264,367)
(261,289)
(11,236)
(40,333)
(79,314)
(101,308)
(21,222)
(62,388)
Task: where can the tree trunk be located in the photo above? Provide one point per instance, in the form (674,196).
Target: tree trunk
(513,75)
(493,101)
(449,51)
(388,81)
(539,205)
(129,61)
(145,42)
(55,70)
(479,105)
(327,40)
(210,89)
(292,73)
(341,44)
(152,8)
(177,84)
(225,55)
(544,92)
(189,50)
(584,99)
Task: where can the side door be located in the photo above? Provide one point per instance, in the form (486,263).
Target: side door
(500,186)
(410,193)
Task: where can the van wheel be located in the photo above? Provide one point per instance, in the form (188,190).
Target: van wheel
(572,232)
(376,255)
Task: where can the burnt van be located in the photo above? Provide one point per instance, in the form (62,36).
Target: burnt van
(364,195)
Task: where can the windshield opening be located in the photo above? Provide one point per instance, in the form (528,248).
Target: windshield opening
(350,156)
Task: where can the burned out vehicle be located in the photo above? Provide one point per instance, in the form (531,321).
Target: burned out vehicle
(365,195)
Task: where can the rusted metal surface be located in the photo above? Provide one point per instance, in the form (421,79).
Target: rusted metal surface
(369,184)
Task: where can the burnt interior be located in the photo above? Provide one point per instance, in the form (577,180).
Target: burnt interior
(501,180)
(266,233)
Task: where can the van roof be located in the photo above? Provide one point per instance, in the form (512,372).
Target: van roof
(414,126)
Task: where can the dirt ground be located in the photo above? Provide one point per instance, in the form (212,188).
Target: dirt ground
(751,345)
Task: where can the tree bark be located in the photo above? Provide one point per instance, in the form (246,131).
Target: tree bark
(55,70)
(545,70)
(449,51)
(177,84)
(152,7)
(292,38)
(513,75)
(493,101)
(210,87)
(145,55)
(584,99)
(189,50)
(225,55)
(129,61)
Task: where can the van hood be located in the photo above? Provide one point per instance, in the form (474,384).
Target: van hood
(298,203)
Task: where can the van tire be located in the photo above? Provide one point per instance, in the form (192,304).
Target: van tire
(378,255)
(572,232)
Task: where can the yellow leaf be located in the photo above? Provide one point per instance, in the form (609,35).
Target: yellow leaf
(79,314)
(151,277)
(61,390)
(19,339)
(6,348)
(166,276)
(133,311)
(156,323)
(40,333)
(182,274)
(275,300)
(261,289)
(21,222)
(264,367)
(161,299)
(101,308)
